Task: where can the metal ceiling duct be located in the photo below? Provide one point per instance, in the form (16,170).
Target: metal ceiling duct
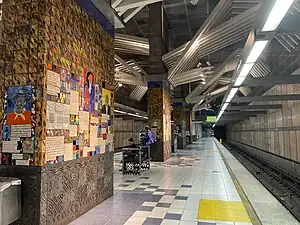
(234,7)
(192,46)
(171,56)
(228,65)
(138,93)
(131,44)
(125,78)
(192,76)
(239,6)
(288,41)
(224,35)
(203,104)
(260,69)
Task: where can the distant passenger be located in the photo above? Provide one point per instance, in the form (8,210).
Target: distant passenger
(149,137)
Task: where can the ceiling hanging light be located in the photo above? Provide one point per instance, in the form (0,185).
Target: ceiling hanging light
(256,51)
(275,17)
(231,94)
(224,106)
(239,81)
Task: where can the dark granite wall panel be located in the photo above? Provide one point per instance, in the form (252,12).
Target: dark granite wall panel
(31,183)
(59,193)
(71,188)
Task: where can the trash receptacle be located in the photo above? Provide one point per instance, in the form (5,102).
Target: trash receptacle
(10,200)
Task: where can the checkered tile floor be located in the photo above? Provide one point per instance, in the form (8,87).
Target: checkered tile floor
(176,161)
(187,189)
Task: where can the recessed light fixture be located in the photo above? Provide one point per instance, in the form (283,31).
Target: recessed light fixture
(275,17)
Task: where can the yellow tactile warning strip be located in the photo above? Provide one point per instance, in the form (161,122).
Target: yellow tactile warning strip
(222,211)
(211,150)
(251,212)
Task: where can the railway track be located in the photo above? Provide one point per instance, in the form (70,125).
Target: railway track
(282,185)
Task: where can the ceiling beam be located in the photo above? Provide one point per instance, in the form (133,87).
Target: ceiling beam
(132,12)
(271,80)
(266,98)
(194,43)
(228,65)
(241,117)
(130,4)
(254,107)
(120,60)
(116,3)
(244,113)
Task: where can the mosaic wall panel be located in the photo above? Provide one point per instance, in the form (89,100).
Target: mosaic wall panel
(51,45)
(78,115)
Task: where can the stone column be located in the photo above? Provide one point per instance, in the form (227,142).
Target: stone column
(189,125)
(159,109)
(179,118)
(55,60)
(159,103)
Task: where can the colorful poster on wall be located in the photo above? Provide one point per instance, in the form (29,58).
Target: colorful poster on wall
(98,105)
(88,92)
(53,83)
(18,127)
(78,119)
(19,100)
(58,116)
(55,147)
(107,98)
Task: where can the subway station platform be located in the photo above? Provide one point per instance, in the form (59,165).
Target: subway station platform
(200,185)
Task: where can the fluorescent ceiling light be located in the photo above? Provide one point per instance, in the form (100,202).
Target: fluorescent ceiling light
(246,69)
(118,111)
(231,94)
(275,17)
(239,81)
(130,114)
(225,106)
(221,113)
(256,51)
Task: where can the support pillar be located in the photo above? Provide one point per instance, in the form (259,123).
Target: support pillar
(159,113)
(159,101)
(189,125)
(56,61)
(180,123)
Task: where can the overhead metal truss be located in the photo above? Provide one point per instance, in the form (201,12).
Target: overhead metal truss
(266,98)
(228,65)
(254,107)
(208,41)
(271,81)
(129,8)
(130,72)
(193,75)
(131,44)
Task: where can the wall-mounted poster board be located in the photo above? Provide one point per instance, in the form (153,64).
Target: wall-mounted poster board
(78,125)
(18,127)
(79,115)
